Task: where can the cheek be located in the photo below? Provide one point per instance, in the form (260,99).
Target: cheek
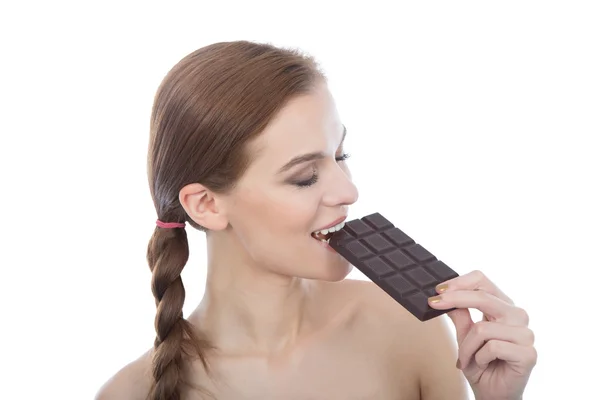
(282,211)
(273,224)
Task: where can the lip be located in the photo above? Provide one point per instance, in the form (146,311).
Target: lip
(334,223)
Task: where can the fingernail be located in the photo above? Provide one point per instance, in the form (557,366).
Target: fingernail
(435,299)
(441,288)
(458,364)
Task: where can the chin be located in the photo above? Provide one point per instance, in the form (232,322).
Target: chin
(335,273)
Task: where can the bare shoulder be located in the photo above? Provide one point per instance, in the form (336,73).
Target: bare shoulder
(132,382)
(428,348)
(382,311)
(391,320)
(376,307)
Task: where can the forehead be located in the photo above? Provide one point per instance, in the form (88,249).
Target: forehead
(308,123)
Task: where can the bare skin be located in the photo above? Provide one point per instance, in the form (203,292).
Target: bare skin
(288,325)
(361,345)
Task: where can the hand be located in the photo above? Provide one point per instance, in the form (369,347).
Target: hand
(496,354)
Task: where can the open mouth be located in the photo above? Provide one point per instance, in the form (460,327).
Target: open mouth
(325,234)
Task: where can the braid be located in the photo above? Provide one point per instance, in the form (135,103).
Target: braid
(167,254)
(207,110)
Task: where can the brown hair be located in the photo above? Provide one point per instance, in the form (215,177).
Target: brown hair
(206,110)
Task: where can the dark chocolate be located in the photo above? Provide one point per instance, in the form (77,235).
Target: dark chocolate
(393,261)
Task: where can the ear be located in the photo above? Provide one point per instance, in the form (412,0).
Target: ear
(203,206)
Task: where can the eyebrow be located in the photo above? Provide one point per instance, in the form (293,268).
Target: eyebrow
(307,157)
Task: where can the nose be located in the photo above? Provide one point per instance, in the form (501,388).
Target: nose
(340,190)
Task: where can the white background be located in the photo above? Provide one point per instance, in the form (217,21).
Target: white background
(473,126)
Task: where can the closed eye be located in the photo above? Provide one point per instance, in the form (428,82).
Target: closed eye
(315,177)
(343,157)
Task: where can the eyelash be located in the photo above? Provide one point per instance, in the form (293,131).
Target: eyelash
(313,179)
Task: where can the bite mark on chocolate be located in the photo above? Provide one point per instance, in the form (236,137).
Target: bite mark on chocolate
(320,236)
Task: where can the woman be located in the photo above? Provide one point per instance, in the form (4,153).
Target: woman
(246,144)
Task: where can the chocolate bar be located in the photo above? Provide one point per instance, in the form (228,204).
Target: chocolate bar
(393,261)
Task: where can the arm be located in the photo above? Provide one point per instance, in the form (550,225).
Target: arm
(428,349)
(438,376)
(132,382)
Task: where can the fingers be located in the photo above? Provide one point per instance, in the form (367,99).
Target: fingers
(461,318)
(524,357)
(475,280)
(491,306)
(483,332)
(502,335)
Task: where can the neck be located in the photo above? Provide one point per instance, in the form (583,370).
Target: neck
(246,309)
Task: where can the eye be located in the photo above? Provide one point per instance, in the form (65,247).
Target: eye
(343,157)
(314,178)
(309,182)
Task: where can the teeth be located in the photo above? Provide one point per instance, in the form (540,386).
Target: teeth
(337,227)
(332,229)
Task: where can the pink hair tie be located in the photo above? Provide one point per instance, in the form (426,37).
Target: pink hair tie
(169,225)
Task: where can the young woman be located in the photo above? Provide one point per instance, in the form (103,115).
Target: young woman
(247,145)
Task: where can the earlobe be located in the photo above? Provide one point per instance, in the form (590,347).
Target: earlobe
(203,206)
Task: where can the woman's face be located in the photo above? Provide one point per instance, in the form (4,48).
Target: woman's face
(297,183)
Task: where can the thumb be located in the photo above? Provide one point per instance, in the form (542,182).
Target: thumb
(461,318)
